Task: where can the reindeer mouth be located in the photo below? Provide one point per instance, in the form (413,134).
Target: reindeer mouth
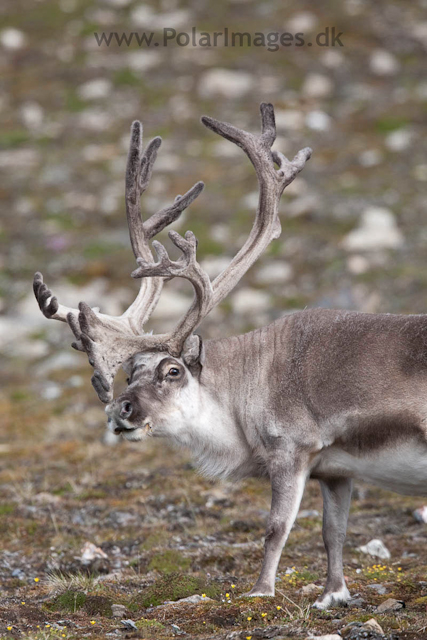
(122,427)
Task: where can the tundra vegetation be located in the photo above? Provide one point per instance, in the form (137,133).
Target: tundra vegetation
(362,109)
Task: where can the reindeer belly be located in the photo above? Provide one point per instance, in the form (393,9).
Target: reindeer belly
(401,468)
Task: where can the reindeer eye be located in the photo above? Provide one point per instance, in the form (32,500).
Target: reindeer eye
(127,380)
(173,371)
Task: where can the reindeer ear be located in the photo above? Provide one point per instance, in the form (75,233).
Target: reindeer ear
(127,365)
(193,351)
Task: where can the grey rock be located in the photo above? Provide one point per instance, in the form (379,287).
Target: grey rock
(129,624)
(383,63)
(376,548)
(226,83)
(390,605)
(317,86)
(13,39)
(248,300)
(420,514)
(379,588)
(318,121)
(377,230)
(119,610)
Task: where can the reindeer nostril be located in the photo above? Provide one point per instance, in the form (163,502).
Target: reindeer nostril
(126,410)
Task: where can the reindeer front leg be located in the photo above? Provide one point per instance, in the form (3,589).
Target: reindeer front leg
(336,505)
(288,475)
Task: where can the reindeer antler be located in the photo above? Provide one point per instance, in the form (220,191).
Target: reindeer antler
(266,226)
(110,341)
(138,173)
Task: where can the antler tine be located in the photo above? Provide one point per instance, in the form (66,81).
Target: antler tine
(186,267)
(272,182)
(266,225)
(106,338)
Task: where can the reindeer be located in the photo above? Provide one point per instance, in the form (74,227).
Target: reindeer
(325,394)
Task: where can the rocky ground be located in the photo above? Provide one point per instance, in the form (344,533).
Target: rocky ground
(84,524)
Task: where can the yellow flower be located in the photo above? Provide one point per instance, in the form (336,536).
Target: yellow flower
(248,637)
(9,628)
(93,621)
(233,586)
(278,607)
(36,579)
(227,595)
(22,602)
(263,615)
(203,595)
(63,635)
(204,622)
(249,618)
(47,624)
(399,568)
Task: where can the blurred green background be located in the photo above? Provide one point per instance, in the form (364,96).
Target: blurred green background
(354,225)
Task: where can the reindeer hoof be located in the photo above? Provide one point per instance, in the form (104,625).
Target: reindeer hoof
(335,599)
(259,592)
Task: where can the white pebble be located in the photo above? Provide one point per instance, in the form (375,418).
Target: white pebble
(383,63)
(225,83)
(318,121)
(317,85)
(399,140)
(12,38)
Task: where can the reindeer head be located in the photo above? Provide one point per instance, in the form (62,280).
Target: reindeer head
(163,368)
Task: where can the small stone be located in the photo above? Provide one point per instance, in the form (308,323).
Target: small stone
(318,121)
(379,588)
(308,513)
(32,115)
(194,599)
(303,205)
(129,625)
(372,625)
(119,610)
(51,391)
(144,16)
(274,273)
(357,264)
(12,38)
(377,549)
(310,589)
(390,605)
(225,83)
(399,140)
(332,59)
(370,157)
(94,89)
(289,119)
(420,514)
(248,300)
(301,22)
(91,552)
(317,86)
(383,63)
(378,230)
(328,636)
(214,265)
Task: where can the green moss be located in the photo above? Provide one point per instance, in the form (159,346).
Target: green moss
(390,123)
(174,586)
(126,77)
(69,601)
(143,623)
(154,540)
(169,561)
(6,508)
(13,138)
